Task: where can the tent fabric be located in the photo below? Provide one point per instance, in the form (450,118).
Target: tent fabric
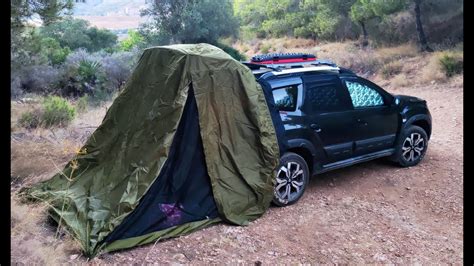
(275,115)
(182,192)
(139,161)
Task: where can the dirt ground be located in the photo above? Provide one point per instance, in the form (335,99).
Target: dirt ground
(373,212)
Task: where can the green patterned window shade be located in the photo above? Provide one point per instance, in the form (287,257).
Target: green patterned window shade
(362,95)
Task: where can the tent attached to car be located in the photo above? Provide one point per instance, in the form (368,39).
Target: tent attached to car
(187,143)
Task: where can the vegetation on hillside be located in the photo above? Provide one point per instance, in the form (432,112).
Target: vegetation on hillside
(65,73)
(385,22)
(69,58)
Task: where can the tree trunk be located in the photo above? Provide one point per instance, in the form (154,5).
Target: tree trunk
(365,38)
(419,28)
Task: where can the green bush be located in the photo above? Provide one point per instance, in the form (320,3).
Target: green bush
(51,49)
(30,119)
(89,70)
(231,51)
(134,39)
(451,63)
(57,112)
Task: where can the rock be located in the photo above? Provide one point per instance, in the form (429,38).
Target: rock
(73,257)
(379,257)
(408,188)
(179,257)
(214,252)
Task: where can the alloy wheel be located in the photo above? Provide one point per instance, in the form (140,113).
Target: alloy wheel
(290,181)
(413,147)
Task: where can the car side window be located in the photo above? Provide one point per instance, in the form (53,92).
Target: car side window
(362,95)
(286,98)
(325,95)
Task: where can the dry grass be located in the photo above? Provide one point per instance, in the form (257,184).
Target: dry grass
(22,106)
(347,54)
(279,45)
(37,155)
(391,69)
(47,147)
(400,66)
(432,71)
(32,237)
(389,54)
(45,155)
(400,80)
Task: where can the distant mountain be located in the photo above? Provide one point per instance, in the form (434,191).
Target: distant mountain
(116,15)
(109,7)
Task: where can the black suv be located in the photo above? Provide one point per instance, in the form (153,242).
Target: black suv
(333,118)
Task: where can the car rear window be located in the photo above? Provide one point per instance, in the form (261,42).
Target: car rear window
(285,98)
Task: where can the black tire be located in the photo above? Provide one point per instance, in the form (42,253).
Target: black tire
(410,150)
(298,177)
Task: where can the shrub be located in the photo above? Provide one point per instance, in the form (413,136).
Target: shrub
(82,103)
(231,51)
(86,73)
(451,64)
(15,85)
(89,71)
(57,112)
(265,48)
(82,73)
(134,39)
(51,49)
(391,69)
(79,55)
(100,96)
(40,78)
(432,72)
(30,119)
(118,67)
(77,33)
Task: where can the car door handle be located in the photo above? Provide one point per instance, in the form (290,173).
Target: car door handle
(315,127)
(360,121)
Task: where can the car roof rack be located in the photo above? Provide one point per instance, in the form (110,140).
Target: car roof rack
(282,58)
(314,68)
(278,62)
(266,65)
(254,66)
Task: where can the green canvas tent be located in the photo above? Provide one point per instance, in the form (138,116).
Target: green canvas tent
(187,143)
